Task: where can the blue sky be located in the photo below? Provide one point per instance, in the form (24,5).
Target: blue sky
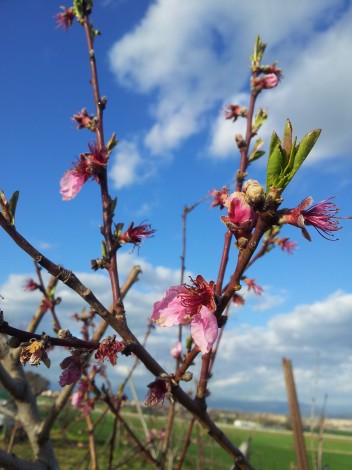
(167,72)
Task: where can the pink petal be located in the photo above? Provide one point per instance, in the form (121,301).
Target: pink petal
(70,185)
(204,329)
(169,311)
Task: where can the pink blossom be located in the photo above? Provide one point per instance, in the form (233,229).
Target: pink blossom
(84,120)
(241,216)
(233,111)
(176,350)
(270,80)
(322,216)
(194,305)
(238,300)
(258,290)
(157,391)
(204,329)
(30,285)
(65,19)
(286,244)
(72,370)
(109,348)
(135,235)
(220,196)
(71,184)
(88,166)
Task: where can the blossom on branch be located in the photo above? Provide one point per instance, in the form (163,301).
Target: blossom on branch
(30,285)
(258,290)
(220,196)
(89,165)
(65,19)
(190,305)
(72,370)
(237,299)
(34,353)
(83,120)
(233,111)
(176,350)
(286,244)
(157,391)
(108,349)
(241,216)
(322,216)
(135,235)
(270,80)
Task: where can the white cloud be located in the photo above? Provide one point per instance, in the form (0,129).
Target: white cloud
(195,56)
(254,354)
(126,165)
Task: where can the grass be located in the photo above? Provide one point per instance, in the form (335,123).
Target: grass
(269,450)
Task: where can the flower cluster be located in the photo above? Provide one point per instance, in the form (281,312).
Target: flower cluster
(190,305)
(108,349)
(89,165)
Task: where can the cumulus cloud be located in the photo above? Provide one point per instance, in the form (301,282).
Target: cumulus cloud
(126,165)
(193,58)
(254,354)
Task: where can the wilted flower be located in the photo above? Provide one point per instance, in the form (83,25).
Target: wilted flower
(73,369)
(135,235)
(322,216)
(286,244)
(157,391)
(30,285)
(220,196)
(108,349)
(237,299)
(83,120)
(34,353)
(253,286)
(65,19)
(233,111)
(193,305)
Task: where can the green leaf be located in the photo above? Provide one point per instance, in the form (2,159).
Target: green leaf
(255,155)
(287,140)
(12,206)
(304,148)
(275,161)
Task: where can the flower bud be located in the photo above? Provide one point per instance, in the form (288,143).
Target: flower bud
(254,192)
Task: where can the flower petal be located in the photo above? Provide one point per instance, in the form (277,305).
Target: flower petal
(204,329)
(169,311)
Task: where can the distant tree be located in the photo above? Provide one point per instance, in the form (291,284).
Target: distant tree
(37,382)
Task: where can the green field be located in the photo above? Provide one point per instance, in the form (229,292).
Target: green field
(269,450)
